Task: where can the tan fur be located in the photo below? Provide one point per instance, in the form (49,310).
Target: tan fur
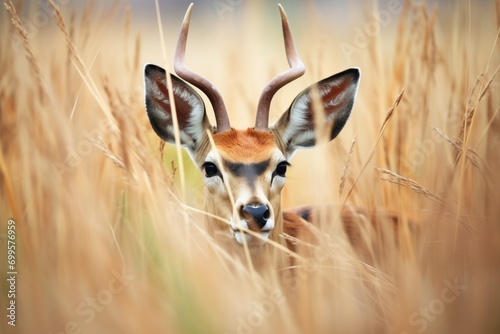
(245,146)
(250,146)
(369,231)
(246,170)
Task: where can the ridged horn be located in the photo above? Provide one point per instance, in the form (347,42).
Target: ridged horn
(295,71)
(197,80)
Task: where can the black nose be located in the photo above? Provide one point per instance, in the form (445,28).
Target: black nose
(259,213)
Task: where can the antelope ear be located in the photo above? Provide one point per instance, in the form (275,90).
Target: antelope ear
(189,106)
(296,126)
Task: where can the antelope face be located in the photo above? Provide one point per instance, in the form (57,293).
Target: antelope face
(245,170)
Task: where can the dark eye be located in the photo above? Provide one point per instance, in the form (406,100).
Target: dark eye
(281,168)
(210,169)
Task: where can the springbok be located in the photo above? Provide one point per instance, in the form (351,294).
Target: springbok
(245,170)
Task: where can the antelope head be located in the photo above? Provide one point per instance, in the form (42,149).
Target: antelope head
(245,170)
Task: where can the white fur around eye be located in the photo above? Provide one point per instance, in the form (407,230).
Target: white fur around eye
(278,183)
(214,185)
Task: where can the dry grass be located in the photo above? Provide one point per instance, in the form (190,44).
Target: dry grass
(94,198)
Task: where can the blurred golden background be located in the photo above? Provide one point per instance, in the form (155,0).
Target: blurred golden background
(108,242)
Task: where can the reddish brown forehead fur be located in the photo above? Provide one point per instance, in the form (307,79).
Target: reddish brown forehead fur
(245,146)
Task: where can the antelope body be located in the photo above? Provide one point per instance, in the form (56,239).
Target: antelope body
(245,170)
